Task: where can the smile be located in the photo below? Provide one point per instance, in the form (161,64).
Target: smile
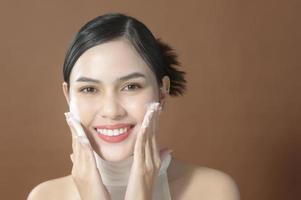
(114,133)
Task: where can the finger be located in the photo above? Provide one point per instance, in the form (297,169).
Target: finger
(149,124)
(83,160)
(154,123)
(139,150)
(153,142)
(155,120)
(74,147)
(152,153)
(68,120)
(79,147)
(71,129)
(155,148)
(144,134)
(74,137)
(149,161)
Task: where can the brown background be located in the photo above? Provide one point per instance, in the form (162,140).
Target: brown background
(240,115)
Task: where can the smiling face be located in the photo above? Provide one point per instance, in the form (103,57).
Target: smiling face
(110,86)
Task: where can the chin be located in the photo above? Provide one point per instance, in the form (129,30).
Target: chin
(116,158)
(116,152)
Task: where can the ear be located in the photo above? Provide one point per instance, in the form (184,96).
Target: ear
(164,90)
(66,91)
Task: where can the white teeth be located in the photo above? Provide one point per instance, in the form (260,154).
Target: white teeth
(110,132)
(113,132)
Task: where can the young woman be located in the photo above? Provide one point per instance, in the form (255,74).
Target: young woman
(114,70)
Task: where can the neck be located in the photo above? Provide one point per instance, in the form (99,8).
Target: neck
(114,173)
(117,173)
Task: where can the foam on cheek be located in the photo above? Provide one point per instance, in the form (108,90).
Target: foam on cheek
(74,110)
(75,119)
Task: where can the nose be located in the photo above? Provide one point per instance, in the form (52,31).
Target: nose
(111,108)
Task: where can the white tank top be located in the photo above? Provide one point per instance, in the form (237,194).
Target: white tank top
(115,176)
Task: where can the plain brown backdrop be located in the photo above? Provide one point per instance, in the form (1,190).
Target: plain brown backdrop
(241,114)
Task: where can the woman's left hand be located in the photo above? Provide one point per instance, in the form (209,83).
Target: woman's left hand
(147,158)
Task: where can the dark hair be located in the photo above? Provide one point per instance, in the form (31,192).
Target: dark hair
(158,55)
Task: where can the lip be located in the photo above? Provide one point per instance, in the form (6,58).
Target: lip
(117,138)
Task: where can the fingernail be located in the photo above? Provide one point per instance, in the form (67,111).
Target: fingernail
(66,115)
(67,120)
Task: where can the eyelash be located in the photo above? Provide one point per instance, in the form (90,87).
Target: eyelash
(138,86)
(84,90)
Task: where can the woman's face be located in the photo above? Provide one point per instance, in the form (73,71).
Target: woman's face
(110,86)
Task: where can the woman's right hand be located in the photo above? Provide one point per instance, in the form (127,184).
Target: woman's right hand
(84,171)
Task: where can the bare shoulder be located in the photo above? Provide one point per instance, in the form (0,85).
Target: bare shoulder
(188,181)
(59,188)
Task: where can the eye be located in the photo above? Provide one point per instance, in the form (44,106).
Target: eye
(132,86)
(88,90)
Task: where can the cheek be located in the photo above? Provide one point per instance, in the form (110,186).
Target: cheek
(87,110)
(136,107)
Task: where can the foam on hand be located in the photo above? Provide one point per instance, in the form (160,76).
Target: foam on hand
(152,107)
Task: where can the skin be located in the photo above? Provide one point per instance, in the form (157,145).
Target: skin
(112,101)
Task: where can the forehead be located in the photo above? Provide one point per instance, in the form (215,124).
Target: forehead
(110,60)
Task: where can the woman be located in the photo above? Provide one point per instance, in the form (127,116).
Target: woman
(113,70)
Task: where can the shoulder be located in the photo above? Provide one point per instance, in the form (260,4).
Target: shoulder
(190,181)
(54,189)
(216,184)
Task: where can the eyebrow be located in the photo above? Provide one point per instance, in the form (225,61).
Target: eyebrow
(124,78)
